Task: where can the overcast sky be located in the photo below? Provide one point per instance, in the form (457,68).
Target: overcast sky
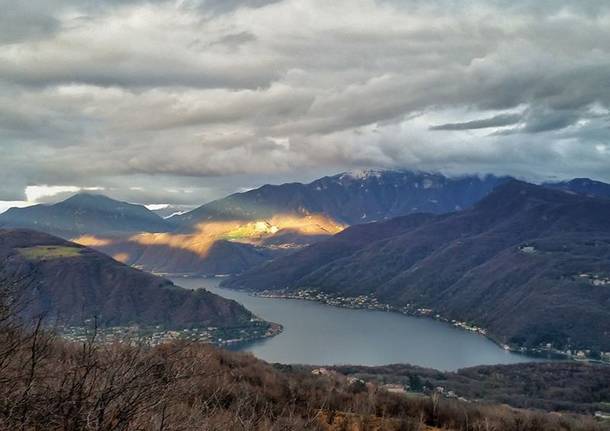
(185,101)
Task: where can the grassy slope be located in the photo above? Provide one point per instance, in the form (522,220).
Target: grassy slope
(44,252)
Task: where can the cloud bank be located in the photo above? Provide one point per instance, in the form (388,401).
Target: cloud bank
(183,101)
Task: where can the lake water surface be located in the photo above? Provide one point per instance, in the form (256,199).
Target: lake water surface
(320,334)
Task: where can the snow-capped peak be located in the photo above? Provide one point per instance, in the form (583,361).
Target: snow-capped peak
(362,174)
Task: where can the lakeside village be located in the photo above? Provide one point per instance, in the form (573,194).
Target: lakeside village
(369,302)
(154,335)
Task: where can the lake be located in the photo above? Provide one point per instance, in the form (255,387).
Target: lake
(320,334)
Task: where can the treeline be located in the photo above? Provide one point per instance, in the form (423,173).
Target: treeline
(49,384)
(552,386)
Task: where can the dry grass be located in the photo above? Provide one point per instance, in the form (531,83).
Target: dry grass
(46,252)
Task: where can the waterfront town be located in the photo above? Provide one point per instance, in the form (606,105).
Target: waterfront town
(369,302)
(155,335)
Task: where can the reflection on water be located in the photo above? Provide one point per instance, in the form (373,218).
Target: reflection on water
(320,334)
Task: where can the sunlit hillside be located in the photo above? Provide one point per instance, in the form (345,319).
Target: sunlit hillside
(184,252)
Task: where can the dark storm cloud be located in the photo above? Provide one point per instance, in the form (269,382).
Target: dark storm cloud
(19,24)
(169,100)
(225,6)
(548,120)
(495,121)
(136,75)
(236,39)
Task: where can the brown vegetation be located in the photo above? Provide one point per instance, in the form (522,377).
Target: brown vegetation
(570,386)
(47,383)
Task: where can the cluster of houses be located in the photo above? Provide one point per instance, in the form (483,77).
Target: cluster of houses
(469,327)
(595,279)
(156,335)
(449,394)
(567,352)
(368,302)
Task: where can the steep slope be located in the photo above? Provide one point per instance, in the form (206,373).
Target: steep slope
(234,234)
(285,271)
(165,253)
(69,284)
(350,198)
(215,247)
(85,214)
(528,263)
(134,235)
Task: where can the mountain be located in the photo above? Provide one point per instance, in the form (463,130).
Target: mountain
(167,211)
(215,247)
(137,236)
(181,254)
(350,198)
(528,263)
(583,186)
(234,234)
(85,213)
(69,284)
(243,230)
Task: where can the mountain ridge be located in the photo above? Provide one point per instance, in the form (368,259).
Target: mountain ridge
(351,197)
(261,224)
(527,262)
(85,213)
(69,284)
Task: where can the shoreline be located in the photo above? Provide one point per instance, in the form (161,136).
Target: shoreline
(362,303)
(257,330)
(366,302)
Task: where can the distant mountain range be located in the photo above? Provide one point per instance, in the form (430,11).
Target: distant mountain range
(350,198)
(236,233)
(85,213)
(70,284)
(182,254)
(529,263)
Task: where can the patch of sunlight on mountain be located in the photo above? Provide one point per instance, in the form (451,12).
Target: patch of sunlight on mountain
(241,231)
(206,234)
(92,241)
(121,257)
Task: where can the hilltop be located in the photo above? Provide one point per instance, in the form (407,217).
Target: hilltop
(69,284)
(85,213)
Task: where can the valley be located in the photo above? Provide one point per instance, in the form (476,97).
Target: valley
(519,265)
(364,302)
(318,333)
(473,251)
(304,215)
(460,305)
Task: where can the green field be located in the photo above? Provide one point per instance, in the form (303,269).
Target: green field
(45,252)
